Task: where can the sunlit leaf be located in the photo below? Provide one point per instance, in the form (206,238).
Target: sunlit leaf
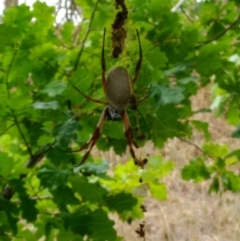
(54,88)
(46,105)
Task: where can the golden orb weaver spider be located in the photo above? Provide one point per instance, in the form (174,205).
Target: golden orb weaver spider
(118,88)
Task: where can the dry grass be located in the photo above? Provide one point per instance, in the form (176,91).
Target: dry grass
(190,213)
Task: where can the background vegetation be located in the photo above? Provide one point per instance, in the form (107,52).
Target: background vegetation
(185,48)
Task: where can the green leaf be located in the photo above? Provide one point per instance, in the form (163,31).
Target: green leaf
(236,133)
(109,126)
(48,229)
(233,153)
(202,126)
(101,227)
(82,187)
(44,13)
(216,29)
(208,54)
(231,181)
(196,170)
(215,185)
(29,211)
(158,191)
(67,32)
(19,15)
(66,132)
(94,224)
(54,88)
(120,202)
(187,80)
(7,34)
(10,210)
(182,53)
(6,164)
(216,150)
(99,169)
(177,69)
(46,105)
(63,196)
(119,146)
(156,59)
(220,163)
(51,176)
(232,114)
(166,95)
(78,222)
(157,167)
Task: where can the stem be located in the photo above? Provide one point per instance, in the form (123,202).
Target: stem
(45,62)
(7,128)
(8,71)
(21,133)
(196,146)
(190,20)
(85,38)
(219,35)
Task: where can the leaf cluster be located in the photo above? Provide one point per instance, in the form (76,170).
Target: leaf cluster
(183,50)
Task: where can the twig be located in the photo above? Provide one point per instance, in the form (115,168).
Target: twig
(85,38)
(45,62)
(22,135)
(186,14)
(13,113)
(7,128)
(219,35)
(197,147)
(8,191)
(38,157)
(178,5)
(8,71)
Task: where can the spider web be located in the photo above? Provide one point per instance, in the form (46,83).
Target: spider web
(117,125)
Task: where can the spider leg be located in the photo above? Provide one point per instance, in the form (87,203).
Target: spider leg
(139,63)
(103,63)
(146,96)
(88,97)
(129,136)
(94,137)
(92,141)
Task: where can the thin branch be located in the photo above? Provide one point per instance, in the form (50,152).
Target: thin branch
(190,20)
(21,133)
(39,156)
(85,38)
(7,191)
(197,147)
(45,62)
(219,35)
(8,71)
(13,113)
(7,128)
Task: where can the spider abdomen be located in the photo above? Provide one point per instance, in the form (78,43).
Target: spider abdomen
(118,88)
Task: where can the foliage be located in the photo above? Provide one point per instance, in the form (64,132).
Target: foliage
(42,194)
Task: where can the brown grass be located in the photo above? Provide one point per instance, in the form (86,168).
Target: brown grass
(190,213)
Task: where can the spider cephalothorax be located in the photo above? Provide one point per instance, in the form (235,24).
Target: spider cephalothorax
(113,114)
(118,88)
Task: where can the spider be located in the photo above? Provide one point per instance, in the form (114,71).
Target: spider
(118,88)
